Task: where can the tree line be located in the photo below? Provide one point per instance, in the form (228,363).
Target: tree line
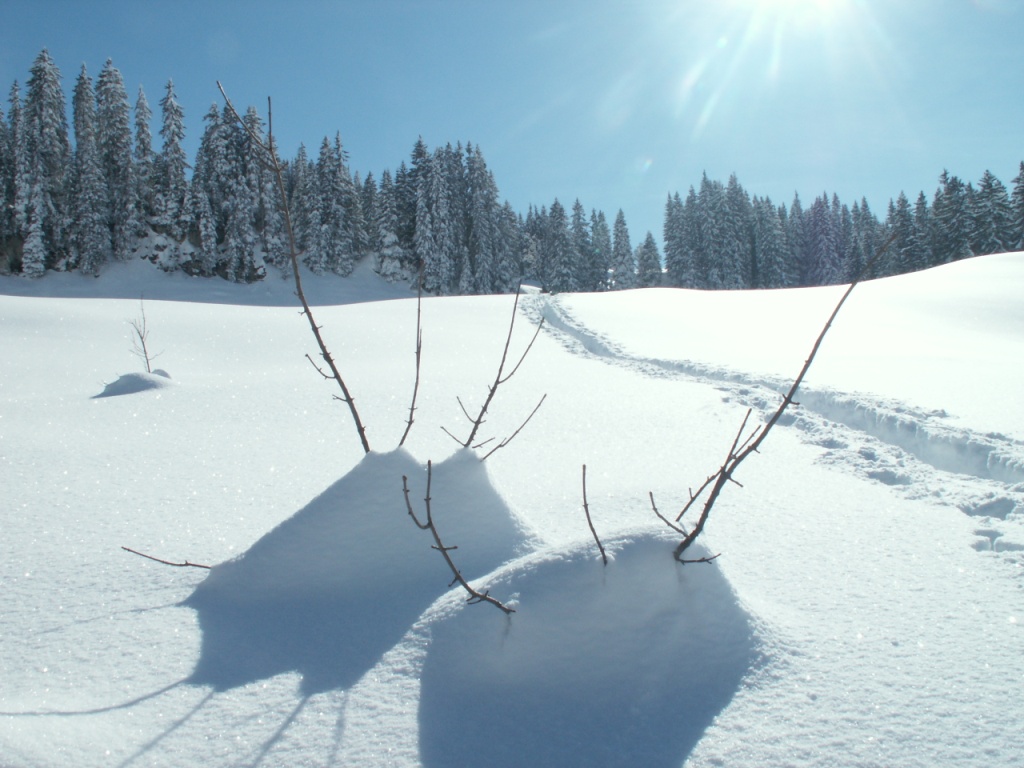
(113,196)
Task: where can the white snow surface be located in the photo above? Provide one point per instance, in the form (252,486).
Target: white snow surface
(866,610)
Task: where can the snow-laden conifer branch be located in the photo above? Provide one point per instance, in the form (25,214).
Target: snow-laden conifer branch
(739,451)
(270,155)
(475,596)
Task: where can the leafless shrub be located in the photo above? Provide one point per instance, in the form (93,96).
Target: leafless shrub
(140,339)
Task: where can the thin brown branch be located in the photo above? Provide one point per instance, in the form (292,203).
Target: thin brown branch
(736,456)
(677,528)
(586,510)
(185,564)
(475,596)
(500,378)
(268,147)
(419,352)
(512,437)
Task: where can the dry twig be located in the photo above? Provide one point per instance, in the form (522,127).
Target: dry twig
(186,564)
(271,160)
(739,451)
(586,509)
(475,596)
(500,378)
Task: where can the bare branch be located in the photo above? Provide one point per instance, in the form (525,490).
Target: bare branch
(511,437)
(275,165)
(419,351)
(586,510)
(475,596)
(500,378)
(738,453)
(665,520)
(140,341)
(186,564)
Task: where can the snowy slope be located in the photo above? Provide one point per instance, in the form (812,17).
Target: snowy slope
(866,610)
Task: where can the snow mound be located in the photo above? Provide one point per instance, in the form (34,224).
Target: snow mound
(619,665)
(332,588)
(131,383)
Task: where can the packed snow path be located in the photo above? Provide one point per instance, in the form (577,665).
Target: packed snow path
(918,452)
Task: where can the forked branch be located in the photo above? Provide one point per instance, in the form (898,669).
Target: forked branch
(475,596)
(419,353)
(739,451)
(271,160)
(185,564)
(500,378)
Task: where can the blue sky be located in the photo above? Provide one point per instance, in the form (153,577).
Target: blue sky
(616,103)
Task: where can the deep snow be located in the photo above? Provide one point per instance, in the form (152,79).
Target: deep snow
(865,611)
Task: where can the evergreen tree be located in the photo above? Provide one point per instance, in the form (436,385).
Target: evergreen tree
(390,259)
(796,236)
(623,260)
(6,194)
(601,252)
(145,187)
(992,229)
(951,220)
(678,264)
(825,266)
(483,222)
(738,267)
(770,242)
(582,249)
(923,256)
(714,256)
(170,184)
(43,155)
(558,248)
(511,241)
(114,139)
(89,236)
(1017,211)
(648,262)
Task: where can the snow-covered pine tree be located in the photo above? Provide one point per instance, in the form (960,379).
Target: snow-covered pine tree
(114,139)
(87,226)
(44,154)
(716,257)
(824,264)
(648,263)
(992,229)
(511,244)
(623,259)
(390,259)
(770,242)
(6,194)
(678,269)
(483,222)
(796,236)
(582,248)
(172,216)
(558,248)
(145,186)
(737,232)
(1017,210)
(601,252)
(952,220)
(923,226)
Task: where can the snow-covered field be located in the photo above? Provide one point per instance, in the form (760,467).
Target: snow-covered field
(867,608)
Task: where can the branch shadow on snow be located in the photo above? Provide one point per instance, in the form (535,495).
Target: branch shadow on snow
(625,665)
(338,584)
